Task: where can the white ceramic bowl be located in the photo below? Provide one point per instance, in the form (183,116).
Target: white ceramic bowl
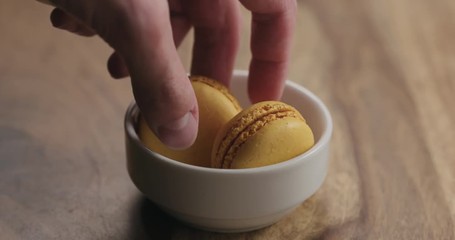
(229,200)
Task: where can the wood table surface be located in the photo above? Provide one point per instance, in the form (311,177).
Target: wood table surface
(385,69)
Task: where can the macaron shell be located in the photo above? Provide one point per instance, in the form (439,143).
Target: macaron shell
(216,108)
(229,132)
(278,141)
(275,124)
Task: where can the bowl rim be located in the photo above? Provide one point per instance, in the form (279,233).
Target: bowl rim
(130,129)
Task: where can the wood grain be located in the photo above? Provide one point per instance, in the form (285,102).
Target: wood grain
(386,69)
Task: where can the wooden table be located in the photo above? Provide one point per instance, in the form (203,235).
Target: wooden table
(386,70)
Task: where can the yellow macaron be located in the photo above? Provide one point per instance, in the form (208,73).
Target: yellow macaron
(216,107)
(263,134)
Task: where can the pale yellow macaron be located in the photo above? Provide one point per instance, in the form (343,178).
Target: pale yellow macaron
(216,107)
(263,134)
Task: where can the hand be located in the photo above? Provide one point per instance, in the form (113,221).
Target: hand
(145,34)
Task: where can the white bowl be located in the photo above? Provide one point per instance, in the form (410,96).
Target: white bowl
(229,200)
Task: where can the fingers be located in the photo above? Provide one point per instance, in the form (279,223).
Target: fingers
(140,32)
(179,21)
(62,20)
(160,84)
(116,66)
(273,23)
(216,29)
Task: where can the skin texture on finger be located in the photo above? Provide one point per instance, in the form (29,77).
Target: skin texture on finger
(140,32)
(273,23)
(161,87)
(216,30)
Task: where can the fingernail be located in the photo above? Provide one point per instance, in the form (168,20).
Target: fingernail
(180,133)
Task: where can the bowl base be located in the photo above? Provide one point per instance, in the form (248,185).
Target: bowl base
(229,225)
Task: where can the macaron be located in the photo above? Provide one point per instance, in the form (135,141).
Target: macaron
(216,107)
(263,134)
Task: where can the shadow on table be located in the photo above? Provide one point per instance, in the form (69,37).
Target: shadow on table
(150,222)
(147,221)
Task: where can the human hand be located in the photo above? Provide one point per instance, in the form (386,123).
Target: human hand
(145,34)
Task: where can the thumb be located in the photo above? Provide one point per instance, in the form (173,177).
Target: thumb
(164,94)
(140,31)
(159,81)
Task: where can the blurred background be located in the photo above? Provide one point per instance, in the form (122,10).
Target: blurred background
(385,69)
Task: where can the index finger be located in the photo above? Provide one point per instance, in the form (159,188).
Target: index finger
(273,24)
